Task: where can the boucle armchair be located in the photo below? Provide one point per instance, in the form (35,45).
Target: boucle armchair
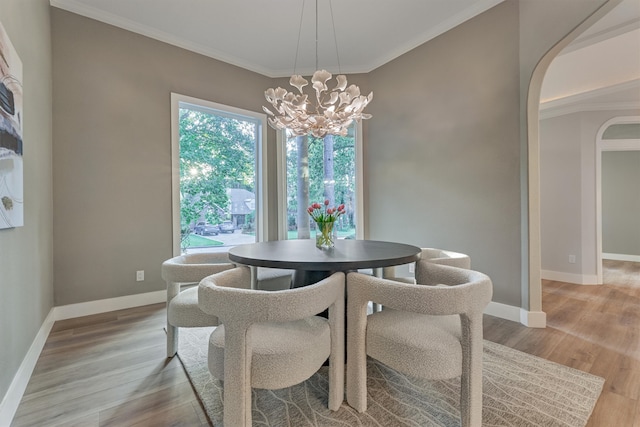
(182,306)
(431,330)
(436,256)
(272,339)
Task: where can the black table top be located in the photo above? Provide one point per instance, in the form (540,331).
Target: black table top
(303,254)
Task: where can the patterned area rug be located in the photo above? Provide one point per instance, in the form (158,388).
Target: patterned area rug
(519,390)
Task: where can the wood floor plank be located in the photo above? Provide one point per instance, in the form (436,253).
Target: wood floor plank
(56,409)
(613,410)
(57,378)
(164,407)
(91,420)
(77,387)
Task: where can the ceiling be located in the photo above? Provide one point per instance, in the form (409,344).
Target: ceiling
(262,35)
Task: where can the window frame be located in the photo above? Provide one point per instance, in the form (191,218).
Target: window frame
(262,188)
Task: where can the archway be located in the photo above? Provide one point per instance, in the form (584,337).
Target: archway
(532,295)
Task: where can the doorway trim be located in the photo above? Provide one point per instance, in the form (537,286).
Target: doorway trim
(608,145)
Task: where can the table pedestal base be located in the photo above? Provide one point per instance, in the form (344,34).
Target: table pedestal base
(308,277)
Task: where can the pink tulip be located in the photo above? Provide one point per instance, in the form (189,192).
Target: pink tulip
(326,202)
(310,210)
(341,207)
(330,211)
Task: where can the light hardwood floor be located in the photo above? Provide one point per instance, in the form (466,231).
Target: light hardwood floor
(110,369)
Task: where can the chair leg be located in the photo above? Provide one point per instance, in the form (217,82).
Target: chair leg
(172,340)
(471,380)
(237,374)
(357,358)
(173,289)
(336,359)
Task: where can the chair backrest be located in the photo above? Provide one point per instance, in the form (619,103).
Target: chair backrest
(191,268)
(436,256)
(467,291)
(219,295)
(440,256)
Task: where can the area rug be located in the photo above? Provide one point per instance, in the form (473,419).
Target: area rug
(518,390)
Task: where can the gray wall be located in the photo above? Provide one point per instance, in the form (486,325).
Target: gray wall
(621,202)
(26,278)
(561,193)
(442,159)
(112,159)
(568,191)
(446,161)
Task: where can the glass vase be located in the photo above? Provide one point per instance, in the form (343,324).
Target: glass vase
(326,235)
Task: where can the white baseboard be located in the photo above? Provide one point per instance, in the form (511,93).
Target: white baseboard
(578,279)
(503,311)
(11,400)
(621,257)
(105,305)
(532,319)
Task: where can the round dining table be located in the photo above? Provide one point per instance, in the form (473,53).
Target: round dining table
(311,264)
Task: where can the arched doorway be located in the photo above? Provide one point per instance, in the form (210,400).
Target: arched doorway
(532,295)
(620,134)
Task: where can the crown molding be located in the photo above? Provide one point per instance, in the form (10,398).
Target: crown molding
(79,8)
(471,12)
(603,35)
(585,101)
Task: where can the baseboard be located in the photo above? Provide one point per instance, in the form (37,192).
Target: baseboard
(578,279)
(532,319)
(12,398)
(105,305)
(503,311)
(621,257)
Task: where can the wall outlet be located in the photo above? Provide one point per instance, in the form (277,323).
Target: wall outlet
(572,259)
(412,267)
(139,275)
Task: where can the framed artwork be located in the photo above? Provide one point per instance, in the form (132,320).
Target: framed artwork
(11,172)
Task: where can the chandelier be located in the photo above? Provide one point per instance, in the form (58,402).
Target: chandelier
(333,110)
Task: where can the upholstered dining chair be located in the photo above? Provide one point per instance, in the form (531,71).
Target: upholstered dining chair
(430,330)
(182,305)
(272,339)
(436,256)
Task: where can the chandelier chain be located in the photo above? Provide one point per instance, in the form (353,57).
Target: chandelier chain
(295,61)
(316,34)
(335,39)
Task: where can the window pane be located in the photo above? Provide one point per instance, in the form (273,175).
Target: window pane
(319,169)
(217,178)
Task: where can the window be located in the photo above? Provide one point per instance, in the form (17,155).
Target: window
(218,179)
(313,170)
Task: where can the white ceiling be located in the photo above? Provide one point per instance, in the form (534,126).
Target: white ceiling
(261,35)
